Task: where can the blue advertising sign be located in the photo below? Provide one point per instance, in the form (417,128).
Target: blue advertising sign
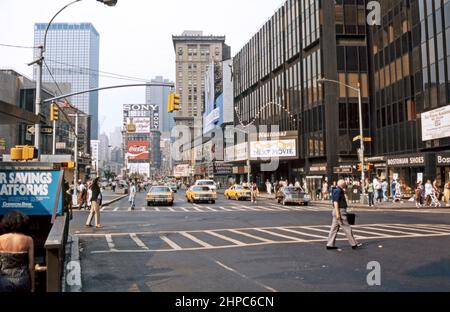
(34,193)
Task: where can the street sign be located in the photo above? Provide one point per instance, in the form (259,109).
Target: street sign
(30,129)
(46,130)
(365,139)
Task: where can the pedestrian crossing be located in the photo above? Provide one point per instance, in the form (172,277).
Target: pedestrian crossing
(202,240)
(195,208)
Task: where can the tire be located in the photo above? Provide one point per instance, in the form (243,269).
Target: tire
(305,204)
(149,204)
(213,202)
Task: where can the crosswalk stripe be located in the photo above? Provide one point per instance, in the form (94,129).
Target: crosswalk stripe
(250,208)
(210,209)
(197,209)
(171,209)
(116,209)
(320,230)
(265,208)
(225,209)
(195,239)
(303,233)
(358,230)
(236,242)
(417,229)
(144,209)
(138,241)
(280,235)
(236,208)
(110,242)
(157,209)
(169,242)
(251,236)
(380,227)
(437,227)
(103,209)
(184,209)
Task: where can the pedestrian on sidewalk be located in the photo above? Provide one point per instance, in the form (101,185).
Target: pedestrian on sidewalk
(447,194)
(325,194)
(269,187)
(132,197)
(428,193)
(82,195)
(436,195)
(370,192)
(340,218)
(378,190)
(393,188)
(95,209)
(418,194)
(384,188)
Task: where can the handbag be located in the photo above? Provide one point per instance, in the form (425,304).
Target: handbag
(351,218)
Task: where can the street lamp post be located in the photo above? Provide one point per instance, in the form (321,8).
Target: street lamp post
(249,168)
(361,130)
(39,61)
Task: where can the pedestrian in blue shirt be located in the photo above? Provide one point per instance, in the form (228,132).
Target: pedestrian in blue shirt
(340,218)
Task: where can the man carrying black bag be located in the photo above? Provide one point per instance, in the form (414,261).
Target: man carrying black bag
(340,218)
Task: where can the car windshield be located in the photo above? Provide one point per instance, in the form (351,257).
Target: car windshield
(201,189)
(205,183)
(160,190)
(241,188)
(291,190)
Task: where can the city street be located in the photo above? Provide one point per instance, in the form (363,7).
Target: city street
(240,246)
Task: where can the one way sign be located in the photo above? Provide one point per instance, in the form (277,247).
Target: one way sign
(30,129)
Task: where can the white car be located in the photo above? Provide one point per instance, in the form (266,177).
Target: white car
(212,185)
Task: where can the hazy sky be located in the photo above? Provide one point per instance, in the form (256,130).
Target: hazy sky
(135,36)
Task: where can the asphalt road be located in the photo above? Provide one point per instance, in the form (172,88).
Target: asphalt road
(239,246)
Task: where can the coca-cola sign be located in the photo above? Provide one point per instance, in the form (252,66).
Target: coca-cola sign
(138,150)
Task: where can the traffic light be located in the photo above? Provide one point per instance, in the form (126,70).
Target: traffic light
(370,167)
(170,102)
(68,165)
(359,167)
(54,113)
(176,102)
(23,152)
(173,102)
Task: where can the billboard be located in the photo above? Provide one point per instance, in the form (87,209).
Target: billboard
(182,171)
(274,148)
(34,193)
(145,116)
(138,150)
(139,168)
(436,124)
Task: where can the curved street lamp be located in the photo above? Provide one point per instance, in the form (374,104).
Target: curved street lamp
(39,61)
(361,131)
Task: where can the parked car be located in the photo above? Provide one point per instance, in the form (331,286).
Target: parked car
(196,194)
(293,195)
(238,192)
(160,195)
(209,183)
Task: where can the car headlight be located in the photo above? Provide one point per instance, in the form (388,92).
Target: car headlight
(307,197)
(288,196)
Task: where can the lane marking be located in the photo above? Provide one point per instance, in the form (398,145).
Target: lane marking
(171,243)
(417,229)
(281,235)
(195,239)
(225,209)
(197,209)
(251,236)
(320,230)
(138,242)
(303,233)
(379,227)
(234,241)
(250,208)
(246,277)
(184,209)
(211,209)
(171,209)
(110,242)
(157,209)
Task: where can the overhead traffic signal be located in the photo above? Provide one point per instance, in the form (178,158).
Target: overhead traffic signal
(173,102)
(23,152)
(54,112)
(359,167)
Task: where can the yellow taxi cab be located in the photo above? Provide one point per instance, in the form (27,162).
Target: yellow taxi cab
(238,192)
(197,194)
(160,195)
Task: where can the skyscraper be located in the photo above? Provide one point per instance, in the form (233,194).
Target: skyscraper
(157,95)
(72,56)
(194,52)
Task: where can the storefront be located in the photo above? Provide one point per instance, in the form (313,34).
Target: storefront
(317,175)
(443,167)
(408,169)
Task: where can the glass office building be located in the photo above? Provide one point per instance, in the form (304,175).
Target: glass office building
(72,56)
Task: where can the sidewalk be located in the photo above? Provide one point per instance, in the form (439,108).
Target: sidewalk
(384,205)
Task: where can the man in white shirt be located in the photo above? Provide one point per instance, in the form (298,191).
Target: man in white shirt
(428,192)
